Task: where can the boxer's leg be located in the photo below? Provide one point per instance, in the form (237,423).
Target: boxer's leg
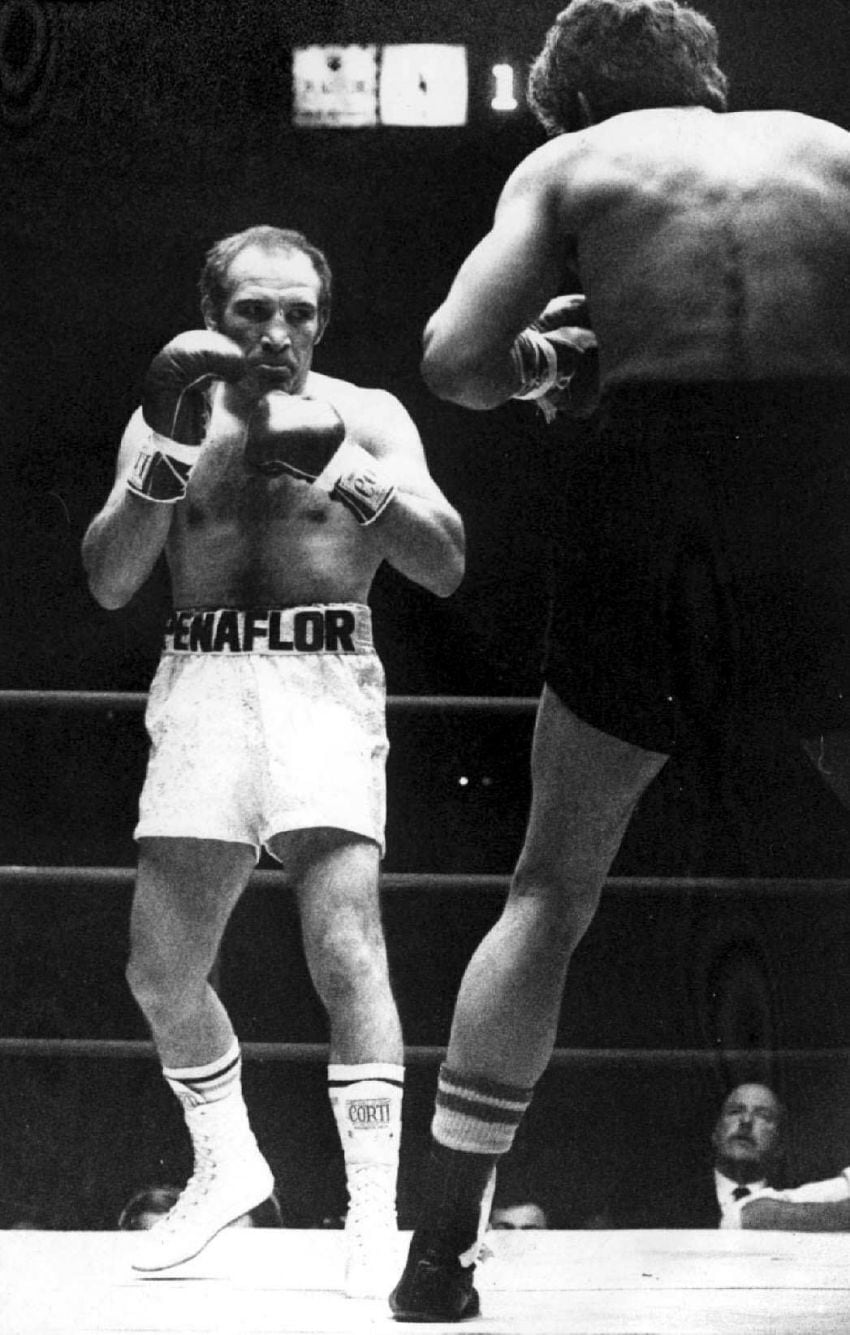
(336,875)
(585,787)
(186,890)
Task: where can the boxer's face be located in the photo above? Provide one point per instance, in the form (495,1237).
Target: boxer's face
(272,312)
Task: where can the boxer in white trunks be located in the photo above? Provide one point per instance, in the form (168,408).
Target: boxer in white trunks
(275,493)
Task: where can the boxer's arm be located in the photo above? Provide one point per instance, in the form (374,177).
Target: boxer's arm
(124,540)
(159,450)
(419,532)
(501,288)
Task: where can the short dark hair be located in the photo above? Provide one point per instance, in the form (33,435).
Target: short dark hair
(625,55)
(214,282)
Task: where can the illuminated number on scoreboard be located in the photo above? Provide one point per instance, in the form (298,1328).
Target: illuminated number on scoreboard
(503,98)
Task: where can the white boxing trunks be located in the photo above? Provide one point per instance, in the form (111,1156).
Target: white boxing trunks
(266,721)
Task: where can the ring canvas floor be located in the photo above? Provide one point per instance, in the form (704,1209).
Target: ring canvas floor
(539,1283)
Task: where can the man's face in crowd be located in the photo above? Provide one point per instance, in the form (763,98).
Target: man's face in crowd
(529,1215)
(746,1138)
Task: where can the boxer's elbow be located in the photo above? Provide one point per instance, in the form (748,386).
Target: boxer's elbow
(441,378)
(108,593)
(437,561)
(468,383)
(106,585)
(449,579)
(455,382)
(448,368)
(442,582)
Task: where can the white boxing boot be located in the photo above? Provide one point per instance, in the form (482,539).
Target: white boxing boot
(367,1100)
(230,1175)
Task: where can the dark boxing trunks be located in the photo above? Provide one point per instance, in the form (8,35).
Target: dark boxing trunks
(705,569)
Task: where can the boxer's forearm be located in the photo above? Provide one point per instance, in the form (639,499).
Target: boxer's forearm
(453,374)
(122,545)
(538,366)
(424,540)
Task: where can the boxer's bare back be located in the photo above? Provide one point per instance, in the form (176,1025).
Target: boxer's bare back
(709,247)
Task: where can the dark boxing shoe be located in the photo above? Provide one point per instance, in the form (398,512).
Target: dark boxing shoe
(434,1285)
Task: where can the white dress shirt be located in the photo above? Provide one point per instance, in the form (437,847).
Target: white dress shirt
(730,1209)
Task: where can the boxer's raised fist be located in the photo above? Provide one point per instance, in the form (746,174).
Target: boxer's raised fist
(290,433)
(557,365)
(173,401)
(175,410)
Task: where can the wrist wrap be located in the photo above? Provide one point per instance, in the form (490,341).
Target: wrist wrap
(363,485)
(162,469)
(536,363)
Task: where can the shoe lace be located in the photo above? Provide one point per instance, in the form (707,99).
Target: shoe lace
(372,1204)
(198,1185)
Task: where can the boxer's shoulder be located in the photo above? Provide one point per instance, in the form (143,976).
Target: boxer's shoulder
(367,411)
(339,392)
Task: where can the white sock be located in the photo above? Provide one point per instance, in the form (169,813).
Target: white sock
(217,1080)
(366,1099)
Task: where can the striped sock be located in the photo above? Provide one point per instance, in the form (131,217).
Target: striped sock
(477,1115)
(474,1124)
(195,1085)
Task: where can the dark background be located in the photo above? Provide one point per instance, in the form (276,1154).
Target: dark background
(134,135)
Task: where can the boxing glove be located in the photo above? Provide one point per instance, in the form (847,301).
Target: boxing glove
(174,408)
(290,433)
(558,364)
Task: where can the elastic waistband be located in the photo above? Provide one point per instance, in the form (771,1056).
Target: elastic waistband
(338,628)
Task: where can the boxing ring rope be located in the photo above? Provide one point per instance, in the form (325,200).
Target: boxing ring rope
(420,1055)
(436,882)
(127,701)
(35,877)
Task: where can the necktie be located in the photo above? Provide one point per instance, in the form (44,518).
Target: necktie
(739,1193)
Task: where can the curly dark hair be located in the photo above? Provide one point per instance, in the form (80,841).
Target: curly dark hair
(214,284)
(624,55)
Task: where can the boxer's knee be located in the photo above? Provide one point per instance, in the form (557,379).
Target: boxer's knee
(557,901)
(349,967)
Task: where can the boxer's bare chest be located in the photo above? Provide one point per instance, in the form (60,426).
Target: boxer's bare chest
(245,539)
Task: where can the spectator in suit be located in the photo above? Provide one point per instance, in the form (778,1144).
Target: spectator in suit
(749,1146)
(747,1149)
(741,1188)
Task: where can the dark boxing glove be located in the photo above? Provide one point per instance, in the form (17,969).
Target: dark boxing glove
(558,362)
(289,433)
(174,408)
